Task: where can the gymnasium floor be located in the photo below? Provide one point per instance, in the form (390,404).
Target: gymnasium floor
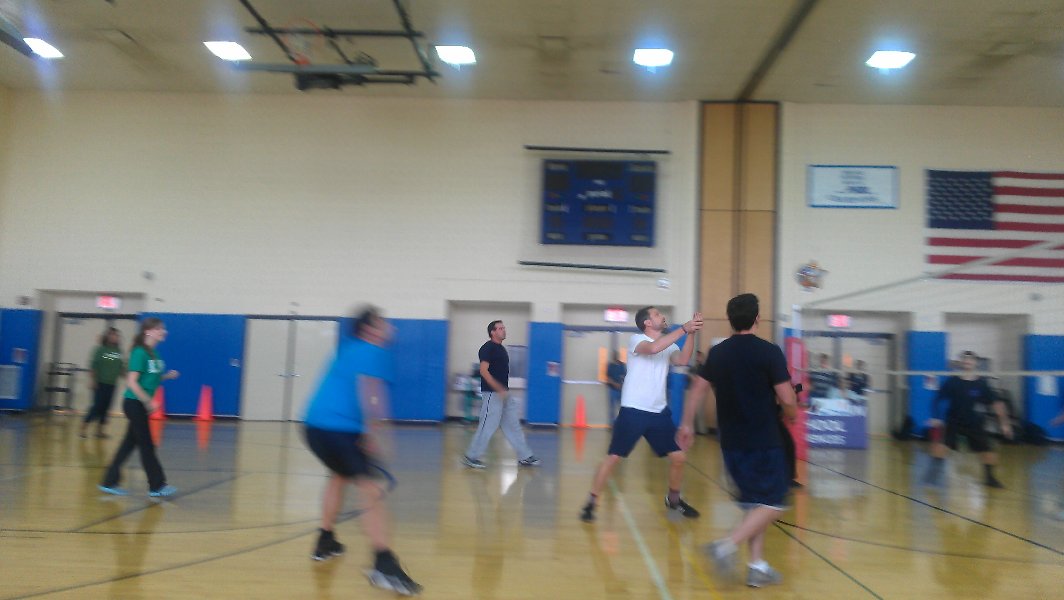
(244,521)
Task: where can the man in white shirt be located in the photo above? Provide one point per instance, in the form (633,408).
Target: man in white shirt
(644,410)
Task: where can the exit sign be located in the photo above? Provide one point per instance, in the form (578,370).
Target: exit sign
(839,321)
(108,302)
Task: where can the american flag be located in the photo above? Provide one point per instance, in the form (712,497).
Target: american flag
(973,215)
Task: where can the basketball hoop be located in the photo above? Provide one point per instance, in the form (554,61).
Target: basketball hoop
(303,46)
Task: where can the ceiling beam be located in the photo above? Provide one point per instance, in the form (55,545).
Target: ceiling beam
(779,44)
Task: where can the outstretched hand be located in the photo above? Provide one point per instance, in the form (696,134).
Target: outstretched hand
(695,324)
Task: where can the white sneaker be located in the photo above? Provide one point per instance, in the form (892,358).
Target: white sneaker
(761,577)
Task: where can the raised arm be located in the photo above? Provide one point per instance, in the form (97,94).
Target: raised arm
(647,347)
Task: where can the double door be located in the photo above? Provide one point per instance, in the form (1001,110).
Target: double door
(586,352)
(76,336)
(284,358)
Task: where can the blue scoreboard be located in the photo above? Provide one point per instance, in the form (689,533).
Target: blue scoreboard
(598,202)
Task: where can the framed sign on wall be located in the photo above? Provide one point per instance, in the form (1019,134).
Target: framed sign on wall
(852,186)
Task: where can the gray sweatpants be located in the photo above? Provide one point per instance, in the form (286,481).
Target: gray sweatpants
(493,410)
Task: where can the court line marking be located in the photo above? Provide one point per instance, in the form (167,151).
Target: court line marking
(793,537)
(26,474)
(150,504)
(652,566)
(199,561)
(939,508)
(918,550)
(695,565)
(827,560)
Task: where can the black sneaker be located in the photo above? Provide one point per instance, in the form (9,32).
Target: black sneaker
(327,547)
(531,461)
(587,515)
(682,507)
(388,575)
(993,482)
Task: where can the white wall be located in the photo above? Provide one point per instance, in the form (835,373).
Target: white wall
(245,204)
(862,249)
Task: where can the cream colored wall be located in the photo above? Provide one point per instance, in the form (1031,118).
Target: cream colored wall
(245,204)
(862,249)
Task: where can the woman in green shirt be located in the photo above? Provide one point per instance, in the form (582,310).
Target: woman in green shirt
(146,371)
(104,368)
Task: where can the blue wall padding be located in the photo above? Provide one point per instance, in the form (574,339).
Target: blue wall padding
(677,383)
(420,351)
(207,349)
(927,352)
(544,389)
(21,328)
(1043,353)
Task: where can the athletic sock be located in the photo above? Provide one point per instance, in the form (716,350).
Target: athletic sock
(674,497)
(989,469)
(726,545)
(760,565)
(592,499)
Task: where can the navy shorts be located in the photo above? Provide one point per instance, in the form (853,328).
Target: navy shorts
(340,451)
(761,474)
(632,424)
(978,439)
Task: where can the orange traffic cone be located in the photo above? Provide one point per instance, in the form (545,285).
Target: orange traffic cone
(206,404)
(580,413)
(159,404)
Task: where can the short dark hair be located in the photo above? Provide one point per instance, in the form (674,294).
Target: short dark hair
(641,316)
(363,318)
(742,311)
(491,326)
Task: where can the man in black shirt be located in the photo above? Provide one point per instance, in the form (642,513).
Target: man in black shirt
(750,382)
(961,393)
(498,405)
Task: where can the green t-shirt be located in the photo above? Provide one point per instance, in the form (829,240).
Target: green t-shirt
(106,364)
(151,368)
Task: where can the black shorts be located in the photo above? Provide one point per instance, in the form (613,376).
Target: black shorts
(978,438)
(761,474)
(632,424)
(340,451)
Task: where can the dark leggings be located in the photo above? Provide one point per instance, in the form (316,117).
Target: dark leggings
(101,403)
(788,450)
(137,436)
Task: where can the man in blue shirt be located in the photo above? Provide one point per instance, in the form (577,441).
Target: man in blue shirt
(350,393)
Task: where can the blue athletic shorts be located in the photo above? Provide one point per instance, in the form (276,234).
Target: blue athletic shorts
(632,424)
(761,474)
(340,451)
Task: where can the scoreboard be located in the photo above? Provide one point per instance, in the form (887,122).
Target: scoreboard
(598,202)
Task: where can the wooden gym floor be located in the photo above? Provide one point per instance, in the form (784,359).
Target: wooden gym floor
(244,521)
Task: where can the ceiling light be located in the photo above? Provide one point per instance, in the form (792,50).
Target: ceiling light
(889,59)
(456,55)
(42,48)
(228,50)
(652,57)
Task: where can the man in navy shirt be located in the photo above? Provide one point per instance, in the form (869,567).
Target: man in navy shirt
(960,394)
(498,405)
(750,382)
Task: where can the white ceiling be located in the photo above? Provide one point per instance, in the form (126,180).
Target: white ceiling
(970,52)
